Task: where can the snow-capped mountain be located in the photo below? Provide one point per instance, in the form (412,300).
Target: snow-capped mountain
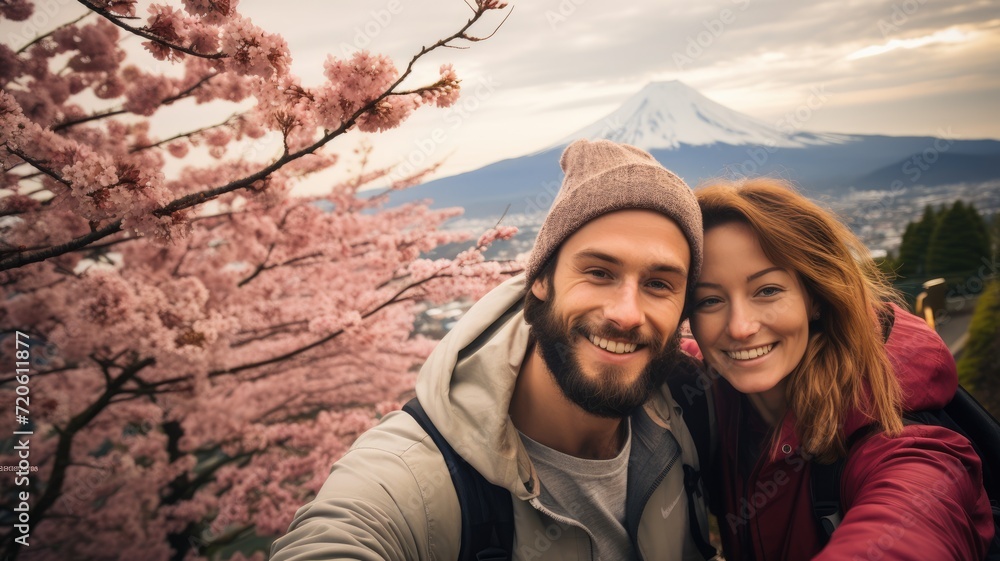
(665,115)
(699,140)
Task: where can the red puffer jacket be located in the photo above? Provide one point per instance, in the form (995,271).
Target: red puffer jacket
(916,497)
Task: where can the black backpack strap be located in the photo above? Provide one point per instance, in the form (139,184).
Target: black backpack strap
(487,510)
(824,491)
(966,416)
(824,487)
(690,392)
(693,401)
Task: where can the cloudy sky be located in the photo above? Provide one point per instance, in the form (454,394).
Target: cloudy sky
(898,67)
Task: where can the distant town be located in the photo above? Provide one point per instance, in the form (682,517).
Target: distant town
(877,217)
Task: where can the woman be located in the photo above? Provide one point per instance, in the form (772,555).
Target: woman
(791,312)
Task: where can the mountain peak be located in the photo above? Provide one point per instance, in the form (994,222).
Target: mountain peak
(665,115)
(666,84)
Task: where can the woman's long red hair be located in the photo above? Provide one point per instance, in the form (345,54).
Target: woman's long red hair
(845,364)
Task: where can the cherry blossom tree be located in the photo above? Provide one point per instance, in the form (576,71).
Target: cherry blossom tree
(203,345)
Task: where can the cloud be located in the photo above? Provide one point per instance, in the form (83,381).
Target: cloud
(562,64)
(953,35)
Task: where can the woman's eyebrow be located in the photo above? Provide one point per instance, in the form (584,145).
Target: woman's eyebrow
(764,272)
(758,274)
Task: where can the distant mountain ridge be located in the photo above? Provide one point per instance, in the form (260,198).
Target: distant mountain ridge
(699,139)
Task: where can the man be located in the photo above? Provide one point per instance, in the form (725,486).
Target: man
(562,403)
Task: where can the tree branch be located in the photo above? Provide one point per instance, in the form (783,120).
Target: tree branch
(188,134)
(49,34)
(292,354)
(93,117)
(201,197)
(120,111)
(204,196)
(142,32)
(64,447)
(38,165)
(23,259)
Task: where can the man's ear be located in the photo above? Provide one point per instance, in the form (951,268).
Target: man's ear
(540,288)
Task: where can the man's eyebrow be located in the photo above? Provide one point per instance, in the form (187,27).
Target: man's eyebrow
(599,255)
(611,259)
(756,275)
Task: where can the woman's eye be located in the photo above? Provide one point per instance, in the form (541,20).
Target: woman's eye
(769,291)
(706,302)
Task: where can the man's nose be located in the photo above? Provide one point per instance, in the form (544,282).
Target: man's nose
(624,308)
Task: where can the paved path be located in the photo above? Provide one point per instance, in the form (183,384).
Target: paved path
(954,327)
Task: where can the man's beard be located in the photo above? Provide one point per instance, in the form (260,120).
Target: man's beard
(608,392)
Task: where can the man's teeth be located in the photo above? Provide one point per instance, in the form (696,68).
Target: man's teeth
(752,353)
(613,346)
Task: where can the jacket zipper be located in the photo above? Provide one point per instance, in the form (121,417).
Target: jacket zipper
(649,493)
(535,502)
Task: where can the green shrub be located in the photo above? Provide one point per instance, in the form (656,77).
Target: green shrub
(979,365)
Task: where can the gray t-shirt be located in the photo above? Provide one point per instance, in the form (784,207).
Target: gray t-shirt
(592,492)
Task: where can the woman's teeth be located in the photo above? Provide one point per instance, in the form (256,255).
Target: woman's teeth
(751,353)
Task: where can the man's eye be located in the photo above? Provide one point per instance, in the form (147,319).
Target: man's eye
(659,285)
(597,273)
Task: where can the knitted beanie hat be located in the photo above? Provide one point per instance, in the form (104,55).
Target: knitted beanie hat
(602,177)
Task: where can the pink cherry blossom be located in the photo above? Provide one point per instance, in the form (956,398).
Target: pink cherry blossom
(16,10)
(204,345)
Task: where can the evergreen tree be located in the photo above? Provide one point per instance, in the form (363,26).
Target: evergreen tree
(982,233)
(957,244)
(915,244)
(995,236)
(979,366)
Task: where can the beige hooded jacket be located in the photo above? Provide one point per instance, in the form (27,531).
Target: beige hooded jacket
(391,496)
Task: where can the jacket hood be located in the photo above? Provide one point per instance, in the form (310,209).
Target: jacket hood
(923,365)
(466,384)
